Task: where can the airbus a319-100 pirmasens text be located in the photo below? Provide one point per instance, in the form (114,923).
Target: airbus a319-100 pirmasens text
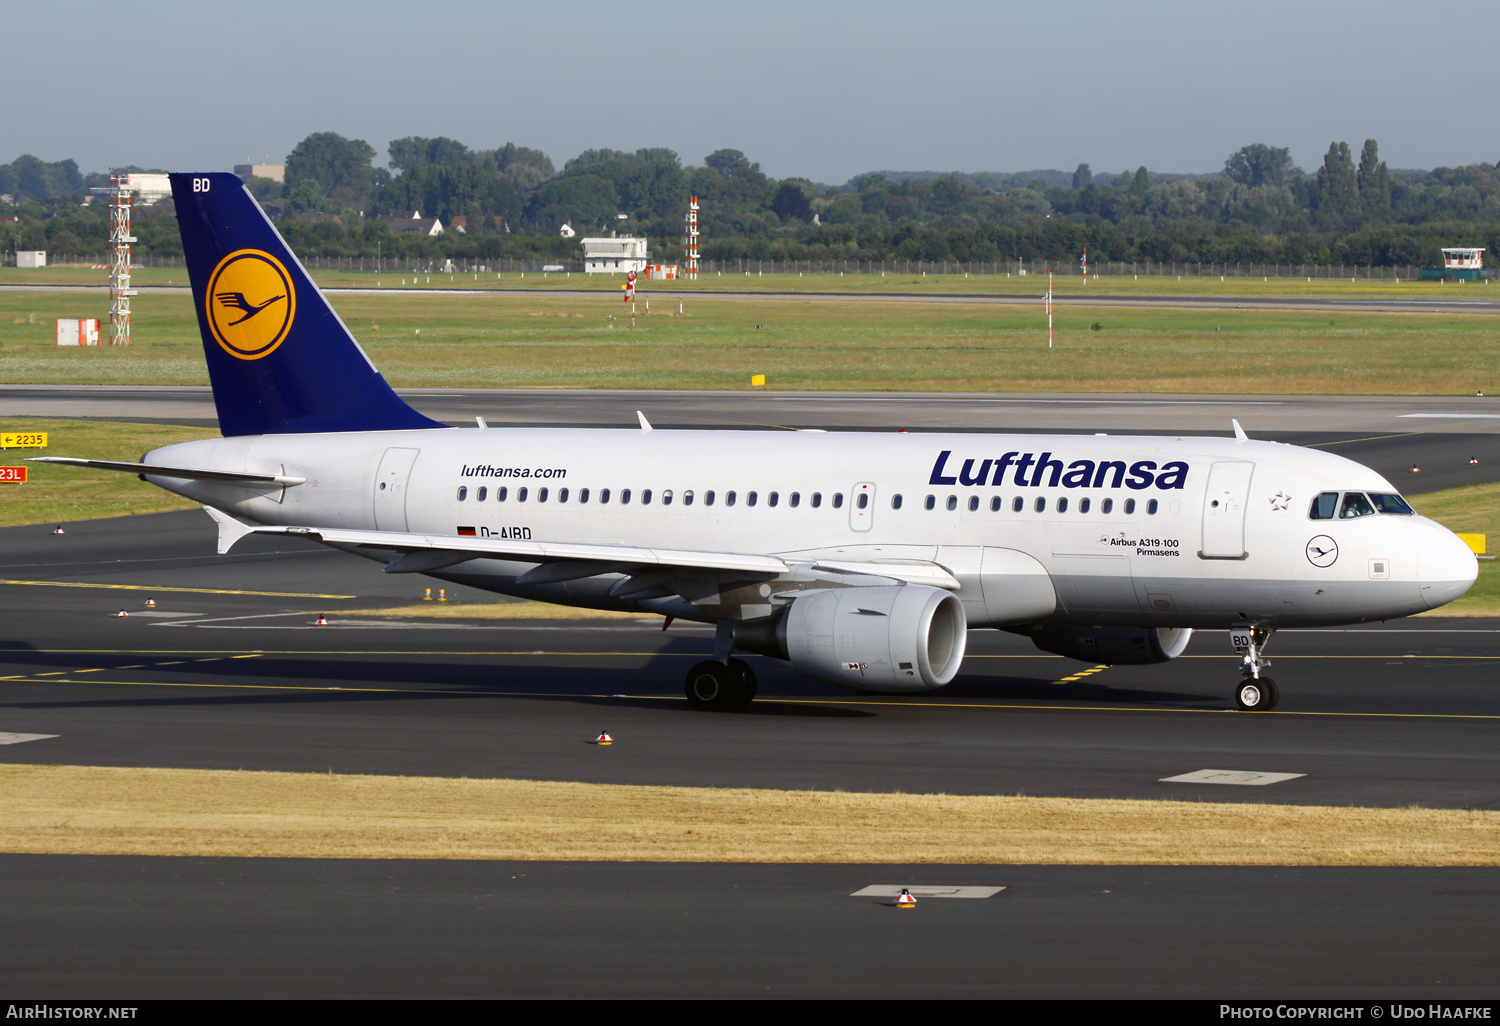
(860,558)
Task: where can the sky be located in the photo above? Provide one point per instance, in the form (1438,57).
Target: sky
(821,90)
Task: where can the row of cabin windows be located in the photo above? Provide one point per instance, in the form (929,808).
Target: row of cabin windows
(1039,504)
(794,500)
(645,496)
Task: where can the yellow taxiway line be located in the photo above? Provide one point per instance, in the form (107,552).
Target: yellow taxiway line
(165,588)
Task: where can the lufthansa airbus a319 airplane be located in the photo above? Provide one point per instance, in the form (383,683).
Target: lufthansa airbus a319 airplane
(859,558)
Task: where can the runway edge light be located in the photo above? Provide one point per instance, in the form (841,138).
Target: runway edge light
(322,621)
(604,738)
(121,615)
(906,899)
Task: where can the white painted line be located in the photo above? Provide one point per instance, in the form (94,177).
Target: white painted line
(894,891)
(15,739)
(1453,416)
(1244,777)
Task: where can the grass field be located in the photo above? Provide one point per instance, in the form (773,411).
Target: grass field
(92,810)
(560,342)
(831,281)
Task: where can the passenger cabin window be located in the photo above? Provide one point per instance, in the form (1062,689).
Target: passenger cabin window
(604,496)
(624,496)
(750,499)
(995,504)
(562,495)
(1355,505)
(1017,504)
(1107,506)
(796,500)
(952,502)
(838,500)
(687,498)
(501,493)
(1388,503)
(817,499)
(666,497)
(541,495)
(708,498)
(773,498)
(1062,505)
(1041,504)
(1323,506)
(863,500)
(479,494)
(1129,507)
(896,501)
(1083,505)
(930,502)
(463,493)
(729,498)
(973,503)
(583,495)
(645,496)
(1151,507)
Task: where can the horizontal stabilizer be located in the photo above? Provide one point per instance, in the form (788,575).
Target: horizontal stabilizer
(183,472)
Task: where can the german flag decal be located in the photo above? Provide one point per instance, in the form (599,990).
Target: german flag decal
(466,532)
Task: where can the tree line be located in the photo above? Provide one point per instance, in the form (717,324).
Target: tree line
(513,200)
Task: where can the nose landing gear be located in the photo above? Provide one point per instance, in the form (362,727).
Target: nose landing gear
(1256,693)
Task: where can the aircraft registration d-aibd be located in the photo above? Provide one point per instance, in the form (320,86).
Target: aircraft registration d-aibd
(859,558)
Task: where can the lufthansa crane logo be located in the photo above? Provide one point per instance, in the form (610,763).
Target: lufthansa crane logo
(251,304)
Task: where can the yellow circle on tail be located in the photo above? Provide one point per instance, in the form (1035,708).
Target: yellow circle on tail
(251,304)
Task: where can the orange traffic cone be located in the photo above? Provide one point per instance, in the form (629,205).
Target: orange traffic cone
(906,900)
(1415,469)
(151,603)
(58,530)
(604,738)
(121,615)
(322,621)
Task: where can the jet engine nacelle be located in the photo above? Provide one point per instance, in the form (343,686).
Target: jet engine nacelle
(903,638)
(1114,645)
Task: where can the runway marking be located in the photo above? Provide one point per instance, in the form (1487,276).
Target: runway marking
(468,693)
(1247,778)
(925,891)
(16,739)
(161,588)
(1082,674)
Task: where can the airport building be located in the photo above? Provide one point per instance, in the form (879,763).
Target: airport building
(275,172)
(614,255)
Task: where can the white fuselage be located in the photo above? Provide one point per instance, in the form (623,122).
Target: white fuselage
(1129,530)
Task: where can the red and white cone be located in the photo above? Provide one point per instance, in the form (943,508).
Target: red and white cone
(151,603)
(1415,469)
(322,621)
(906,899)
(1473,462)
(58,530)
(604,739)
(121,615)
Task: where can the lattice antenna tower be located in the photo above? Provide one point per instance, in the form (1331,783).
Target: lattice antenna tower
(690,239)
(119,259)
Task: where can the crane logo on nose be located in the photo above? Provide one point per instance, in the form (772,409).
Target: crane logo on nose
(1322,551)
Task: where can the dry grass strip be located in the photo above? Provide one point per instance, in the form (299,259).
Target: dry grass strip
(120,811)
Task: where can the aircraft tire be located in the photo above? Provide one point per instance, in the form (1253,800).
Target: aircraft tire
(747,680)
(1256,695)
(713,687)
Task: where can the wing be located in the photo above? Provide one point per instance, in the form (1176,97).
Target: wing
(724,584)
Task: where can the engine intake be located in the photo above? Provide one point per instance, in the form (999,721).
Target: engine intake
(904,638)
(1130,646)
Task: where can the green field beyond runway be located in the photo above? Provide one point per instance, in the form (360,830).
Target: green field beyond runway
(494,340)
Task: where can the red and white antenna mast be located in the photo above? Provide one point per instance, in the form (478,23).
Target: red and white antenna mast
(690,238)
(119,259)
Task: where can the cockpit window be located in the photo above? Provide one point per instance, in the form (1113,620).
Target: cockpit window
(1387,503)
(1323,506)
(1355,505)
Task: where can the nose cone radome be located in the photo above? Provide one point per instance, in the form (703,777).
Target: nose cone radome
(1446,566)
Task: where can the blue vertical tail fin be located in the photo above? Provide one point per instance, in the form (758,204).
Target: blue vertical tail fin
(279,358)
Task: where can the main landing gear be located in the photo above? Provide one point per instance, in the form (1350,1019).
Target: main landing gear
(1255,693)
(721,684)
